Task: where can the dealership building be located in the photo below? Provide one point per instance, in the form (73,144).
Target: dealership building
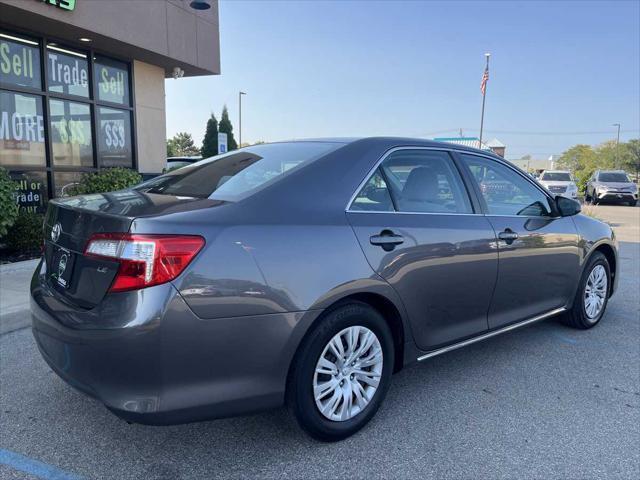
(82,84)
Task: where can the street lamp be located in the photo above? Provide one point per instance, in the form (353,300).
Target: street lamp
(240,118)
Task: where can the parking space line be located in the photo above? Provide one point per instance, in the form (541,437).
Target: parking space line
(34,467)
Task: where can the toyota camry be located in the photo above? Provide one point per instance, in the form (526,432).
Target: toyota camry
(305,274)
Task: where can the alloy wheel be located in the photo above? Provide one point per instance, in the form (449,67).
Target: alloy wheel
(347,373)
(595,292)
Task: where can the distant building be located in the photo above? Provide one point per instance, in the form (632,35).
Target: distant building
(497,146)
(534,165)
(494,145)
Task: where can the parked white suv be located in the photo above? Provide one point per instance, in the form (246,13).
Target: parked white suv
(611,186)
(559,182)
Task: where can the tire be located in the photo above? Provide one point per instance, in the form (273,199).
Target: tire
(587,197)
(633,203)
(580,316)
(302,380)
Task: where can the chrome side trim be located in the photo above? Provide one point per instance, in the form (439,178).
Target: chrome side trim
(494,333)
(420,213)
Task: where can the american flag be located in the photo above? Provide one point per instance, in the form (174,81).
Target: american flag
(485,79)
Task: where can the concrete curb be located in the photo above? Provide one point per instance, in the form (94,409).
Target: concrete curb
(14,295)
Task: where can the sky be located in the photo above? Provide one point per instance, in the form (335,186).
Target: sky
(561,73)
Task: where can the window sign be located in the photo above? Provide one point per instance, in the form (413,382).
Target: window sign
(21,129)
(31,193)
(114,137)
(112,80)
(19,62)
(71,133)
(67,71)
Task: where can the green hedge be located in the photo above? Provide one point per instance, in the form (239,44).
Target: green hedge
(8,205)
(107,180)
(25,236)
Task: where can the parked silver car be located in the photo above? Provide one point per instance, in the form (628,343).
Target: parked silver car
(559,182)
(611,186)
(305,273)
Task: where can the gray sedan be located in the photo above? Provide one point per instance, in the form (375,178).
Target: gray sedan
(305,273)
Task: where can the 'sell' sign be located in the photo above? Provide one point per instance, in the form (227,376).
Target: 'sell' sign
(64,4)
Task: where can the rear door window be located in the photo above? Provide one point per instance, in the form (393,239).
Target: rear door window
(425,181)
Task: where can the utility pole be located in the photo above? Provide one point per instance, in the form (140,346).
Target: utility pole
(617,145)
(483,89)
(240,118)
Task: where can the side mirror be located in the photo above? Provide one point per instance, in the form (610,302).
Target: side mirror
(567,206)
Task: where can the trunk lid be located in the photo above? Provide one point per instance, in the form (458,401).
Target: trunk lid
(70,222)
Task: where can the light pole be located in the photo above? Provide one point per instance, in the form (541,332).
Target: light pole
(617,144)
(240,118)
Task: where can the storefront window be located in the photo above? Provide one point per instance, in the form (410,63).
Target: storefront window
(112,81)
(32,190)
(64,183)
(21,129)
(67,71)
(55,125)
(114,137)
(71,133)
(19,61)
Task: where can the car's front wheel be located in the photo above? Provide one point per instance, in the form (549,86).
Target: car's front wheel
(341,372)
(591,299)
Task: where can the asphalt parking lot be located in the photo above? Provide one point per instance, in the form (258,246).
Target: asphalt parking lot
(542,402)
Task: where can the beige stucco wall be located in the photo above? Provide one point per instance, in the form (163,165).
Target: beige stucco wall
(151,123)
(163,32)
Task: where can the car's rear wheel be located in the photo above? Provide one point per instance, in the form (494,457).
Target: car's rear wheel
(591,299)
(341,372)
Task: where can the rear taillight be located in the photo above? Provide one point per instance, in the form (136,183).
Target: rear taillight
(145,260)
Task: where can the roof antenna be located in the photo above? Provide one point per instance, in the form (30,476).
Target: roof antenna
(461,133)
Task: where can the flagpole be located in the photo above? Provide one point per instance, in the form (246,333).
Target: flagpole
(484,95)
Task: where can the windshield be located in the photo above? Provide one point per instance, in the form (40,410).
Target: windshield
(237,174)
(556,176)
(613,177)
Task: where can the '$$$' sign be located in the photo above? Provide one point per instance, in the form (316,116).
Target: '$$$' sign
(114,135)
(71,131)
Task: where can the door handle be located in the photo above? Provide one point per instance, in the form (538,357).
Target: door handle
(387,240)
(508,236)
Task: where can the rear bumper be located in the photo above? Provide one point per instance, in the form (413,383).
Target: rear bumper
(150,360)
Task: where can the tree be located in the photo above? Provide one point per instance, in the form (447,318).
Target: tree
(582,161)
(181,145)
(210,142)
(225,127)
(631,161)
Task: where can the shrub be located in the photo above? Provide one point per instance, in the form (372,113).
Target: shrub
(25,236)
(582,177)
(106,180)
(8,205)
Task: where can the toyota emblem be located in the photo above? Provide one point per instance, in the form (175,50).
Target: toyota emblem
(56,231)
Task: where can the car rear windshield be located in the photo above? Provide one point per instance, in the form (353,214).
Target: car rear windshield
(238,174)
(556,177)
(613,177)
